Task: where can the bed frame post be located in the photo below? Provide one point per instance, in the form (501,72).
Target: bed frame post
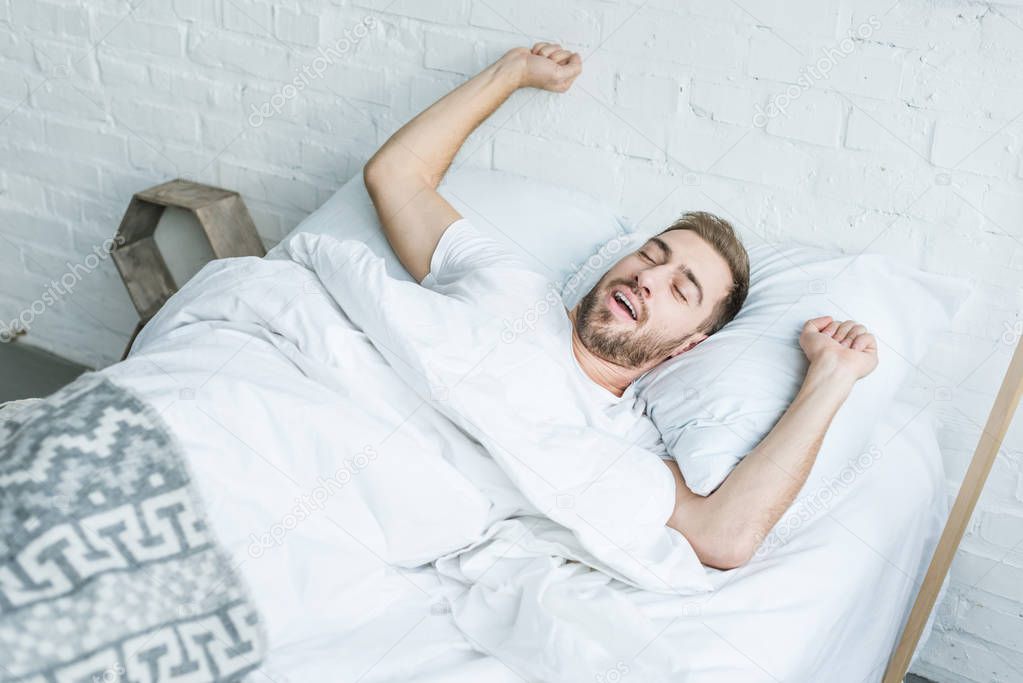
(973,483)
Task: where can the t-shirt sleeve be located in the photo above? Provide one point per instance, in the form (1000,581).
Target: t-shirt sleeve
(477,269)
(460,251)
(463,250)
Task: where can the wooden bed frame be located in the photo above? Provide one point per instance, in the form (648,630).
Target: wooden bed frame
(966,500)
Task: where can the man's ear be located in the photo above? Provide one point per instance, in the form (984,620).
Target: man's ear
(691,341)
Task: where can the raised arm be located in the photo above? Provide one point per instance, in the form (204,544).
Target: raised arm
(402,177)
(726,527)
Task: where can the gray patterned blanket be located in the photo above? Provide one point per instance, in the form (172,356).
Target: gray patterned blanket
(108,570)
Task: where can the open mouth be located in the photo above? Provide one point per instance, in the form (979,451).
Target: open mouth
(624,304)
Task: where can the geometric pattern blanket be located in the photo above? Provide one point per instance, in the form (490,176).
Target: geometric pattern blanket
(108,568)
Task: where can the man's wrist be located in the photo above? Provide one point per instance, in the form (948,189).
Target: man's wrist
(512,66)
(828,370)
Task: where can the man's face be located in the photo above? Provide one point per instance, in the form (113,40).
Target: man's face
(648,307)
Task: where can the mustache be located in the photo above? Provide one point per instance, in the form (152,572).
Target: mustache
(628,284)
(632,287)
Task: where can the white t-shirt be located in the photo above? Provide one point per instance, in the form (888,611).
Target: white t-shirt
(477,269)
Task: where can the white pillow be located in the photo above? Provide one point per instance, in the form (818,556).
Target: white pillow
(714,403)
(555,230)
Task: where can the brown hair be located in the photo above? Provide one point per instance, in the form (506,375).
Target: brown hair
(720,235)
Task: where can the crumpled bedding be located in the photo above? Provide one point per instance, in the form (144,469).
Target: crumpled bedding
(346,468)
(613,496)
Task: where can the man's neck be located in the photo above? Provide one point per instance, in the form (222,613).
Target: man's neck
(610,376)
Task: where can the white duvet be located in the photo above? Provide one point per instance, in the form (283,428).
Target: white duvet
(383,542)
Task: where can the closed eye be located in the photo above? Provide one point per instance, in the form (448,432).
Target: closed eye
(678,292)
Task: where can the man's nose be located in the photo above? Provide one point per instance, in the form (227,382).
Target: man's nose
(648,280)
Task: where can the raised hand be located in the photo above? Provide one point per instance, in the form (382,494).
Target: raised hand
(844,346)
(547,66)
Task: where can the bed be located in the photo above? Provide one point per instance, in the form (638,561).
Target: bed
(331,487)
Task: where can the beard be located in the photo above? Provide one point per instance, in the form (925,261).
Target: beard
(596,326)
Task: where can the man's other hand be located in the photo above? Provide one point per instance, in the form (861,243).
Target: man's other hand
(844,346)
(547,66)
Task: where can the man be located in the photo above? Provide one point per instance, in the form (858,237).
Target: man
(656,303)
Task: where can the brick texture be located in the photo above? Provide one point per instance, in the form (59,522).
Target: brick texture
(892,127)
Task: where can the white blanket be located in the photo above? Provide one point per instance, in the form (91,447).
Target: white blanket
(612,495)
(323,473)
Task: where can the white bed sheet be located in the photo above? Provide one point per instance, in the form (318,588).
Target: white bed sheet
(825,606)
(269,390)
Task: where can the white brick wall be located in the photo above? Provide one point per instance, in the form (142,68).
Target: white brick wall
(904,138)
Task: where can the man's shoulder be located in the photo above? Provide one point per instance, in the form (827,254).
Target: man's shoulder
(467,259)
